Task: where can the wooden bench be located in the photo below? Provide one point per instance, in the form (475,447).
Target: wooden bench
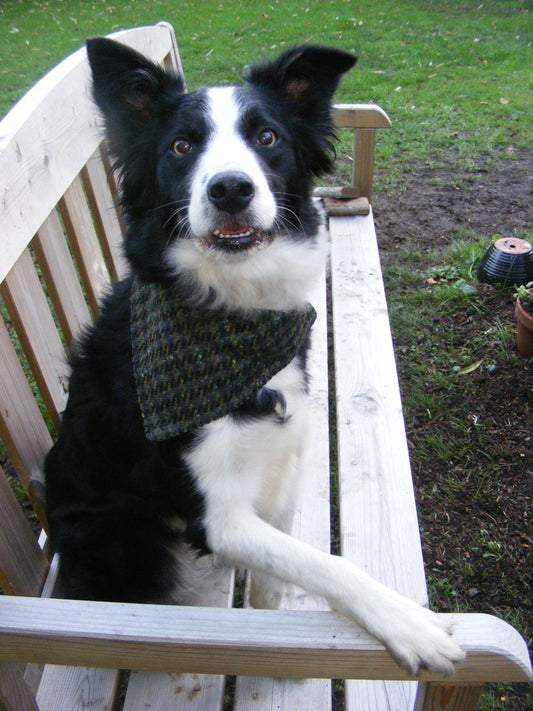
(59,248)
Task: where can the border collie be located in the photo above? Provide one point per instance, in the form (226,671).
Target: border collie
(188,396)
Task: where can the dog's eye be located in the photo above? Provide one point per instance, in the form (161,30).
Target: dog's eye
(267,137)
(181,146)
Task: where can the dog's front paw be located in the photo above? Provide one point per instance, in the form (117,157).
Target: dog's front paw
(419,640)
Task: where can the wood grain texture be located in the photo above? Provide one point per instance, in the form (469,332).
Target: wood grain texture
(23,564)
(447,697)
(22,427)
(28,307)
(84,243)
(14,692)
(360,116)
(104,210)
(379,528)
(61,278)
(285,643)
(379,531)
(77,689)
(43,147)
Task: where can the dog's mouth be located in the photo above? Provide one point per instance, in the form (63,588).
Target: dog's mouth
(236,237)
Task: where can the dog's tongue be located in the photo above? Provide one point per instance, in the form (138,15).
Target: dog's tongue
(232,230)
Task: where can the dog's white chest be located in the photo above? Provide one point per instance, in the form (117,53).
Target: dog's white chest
(254,464)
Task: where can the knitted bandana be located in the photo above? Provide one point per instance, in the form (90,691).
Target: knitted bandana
(193,366)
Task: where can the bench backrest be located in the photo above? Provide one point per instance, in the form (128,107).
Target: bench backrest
(60,247)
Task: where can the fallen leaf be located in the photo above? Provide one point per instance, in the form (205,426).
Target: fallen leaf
(470,368)
(504,101)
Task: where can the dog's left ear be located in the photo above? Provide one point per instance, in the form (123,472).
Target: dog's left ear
(126,85)
(305,78)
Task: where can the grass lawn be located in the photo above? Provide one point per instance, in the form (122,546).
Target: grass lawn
(456,78)
(453,74)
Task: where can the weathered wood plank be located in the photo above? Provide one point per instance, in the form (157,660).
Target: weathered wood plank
(22,427)
(60,276)
(14,692)
(77,689)
(23,564)
(360,116)
(84,243)
(379,531)
(447,697)
(43,147)
(289,644)
(35,326)
(105,214)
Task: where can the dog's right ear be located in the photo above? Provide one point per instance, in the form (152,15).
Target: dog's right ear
(126,85)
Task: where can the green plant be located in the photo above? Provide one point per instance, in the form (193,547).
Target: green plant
(524,294)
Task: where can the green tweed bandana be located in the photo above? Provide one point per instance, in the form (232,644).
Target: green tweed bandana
(193,365)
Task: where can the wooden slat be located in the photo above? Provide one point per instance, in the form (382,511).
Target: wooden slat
(376,486)
(379,531)
(289,644)
(311,524)
(172,60)
(35,326)
(157,42)
(14,692)
(22,427)
(162,691)
(363,161)
(360,116)
(23,564)
(84,243)
(83,689)
(364,119)
(60,276)
(43,147)
(104,211)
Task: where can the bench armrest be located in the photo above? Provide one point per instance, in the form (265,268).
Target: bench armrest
(364,119)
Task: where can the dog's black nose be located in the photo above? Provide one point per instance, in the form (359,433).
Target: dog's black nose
(231,191)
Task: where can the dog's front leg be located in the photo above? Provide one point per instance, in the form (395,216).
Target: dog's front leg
(414,635)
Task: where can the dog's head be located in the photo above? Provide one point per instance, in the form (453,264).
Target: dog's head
(216,183)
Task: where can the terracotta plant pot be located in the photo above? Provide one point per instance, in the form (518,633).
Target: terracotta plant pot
(524,330)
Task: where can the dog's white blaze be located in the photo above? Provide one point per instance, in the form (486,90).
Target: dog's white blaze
(227,150)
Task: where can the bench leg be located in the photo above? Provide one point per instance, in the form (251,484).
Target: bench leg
(448,697)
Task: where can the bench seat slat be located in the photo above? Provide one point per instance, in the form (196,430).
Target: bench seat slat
(77,688)
(378,517)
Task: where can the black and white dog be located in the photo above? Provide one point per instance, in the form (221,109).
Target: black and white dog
(187,401)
